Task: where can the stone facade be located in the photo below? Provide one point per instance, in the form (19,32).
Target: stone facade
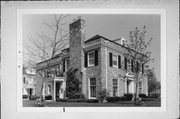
(92,59)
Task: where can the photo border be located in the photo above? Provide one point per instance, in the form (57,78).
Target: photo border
(161,12)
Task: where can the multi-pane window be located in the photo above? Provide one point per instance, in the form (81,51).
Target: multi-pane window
(140,87)
(115,60)
(92,87)
(91,58)
(115,87)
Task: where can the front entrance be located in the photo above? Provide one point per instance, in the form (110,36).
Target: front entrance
(57,89)
(130,86)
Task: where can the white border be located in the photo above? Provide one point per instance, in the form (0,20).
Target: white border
(161,12)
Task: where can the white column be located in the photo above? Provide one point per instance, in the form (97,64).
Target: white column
(125,82)
(54,90)
(44,88)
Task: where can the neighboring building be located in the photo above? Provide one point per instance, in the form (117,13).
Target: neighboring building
(102,64)
(29,81)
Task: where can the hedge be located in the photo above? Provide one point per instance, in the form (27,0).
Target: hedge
(92,101)
(116,99)
(25,96)
(33,97)
(142,95)
(77,100)
(147,99)
(129,96)
(49,97)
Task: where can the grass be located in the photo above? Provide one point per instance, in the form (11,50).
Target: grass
(32,103)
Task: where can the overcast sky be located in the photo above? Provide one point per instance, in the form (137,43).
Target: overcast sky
(109,26)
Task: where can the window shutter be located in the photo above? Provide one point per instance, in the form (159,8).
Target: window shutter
(85,60)
(142,68)
(125,63)
(137,67)
(119,61)
(132,65)
(63,65)
(96,57)
(110,59)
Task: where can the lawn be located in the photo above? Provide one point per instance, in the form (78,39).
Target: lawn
(32,103)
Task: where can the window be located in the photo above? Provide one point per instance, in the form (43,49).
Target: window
(125,63)
(114,60)
(140,87)
(49,89)
(115,87)
(91,58)
(92,87)
(24,80)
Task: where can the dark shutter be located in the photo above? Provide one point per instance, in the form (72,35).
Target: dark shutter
(132,65)
(110,59)
(137,67)
(119,61)
(86,60)
(142,68)
(63,65)
(96,57)
(125,63)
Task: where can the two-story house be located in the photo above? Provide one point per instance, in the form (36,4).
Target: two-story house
(102,64)
(29,81)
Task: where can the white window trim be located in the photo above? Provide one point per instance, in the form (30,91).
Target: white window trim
(89,90)
(89,65)
(117,86)
(116,66)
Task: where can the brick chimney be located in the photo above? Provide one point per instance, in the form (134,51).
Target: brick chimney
(76,43)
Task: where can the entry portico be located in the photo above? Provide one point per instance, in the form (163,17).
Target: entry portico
(55,87)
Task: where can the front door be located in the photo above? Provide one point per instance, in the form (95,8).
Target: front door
(57,89)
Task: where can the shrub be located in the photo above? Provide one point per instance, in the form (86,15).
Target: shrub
(116,99)
(129,96)
(78,96)
(113,99)
(147,99)
(25,96)
(61,100)
(92,101)
(102,95)
(49,97)
(142,95)
(155,95)
(123,98)
(33,97)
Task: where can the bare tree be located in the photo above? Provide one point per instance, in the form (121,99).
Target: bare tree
(45,46)
(138,52)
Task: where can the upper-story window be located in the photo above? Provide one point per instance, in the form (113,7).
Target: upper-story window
(91,58)
(66,64)
(114,60)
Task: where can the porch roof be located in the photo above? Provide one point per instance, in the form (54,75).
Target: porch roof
(55,79)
